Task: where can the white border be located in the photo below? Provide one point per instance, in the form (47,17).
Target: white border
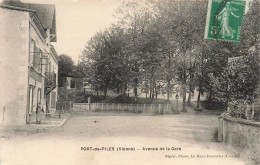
(208,19)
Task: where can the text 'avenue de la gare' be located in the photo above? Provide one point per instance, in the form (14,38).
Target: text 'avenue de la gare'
(130,149)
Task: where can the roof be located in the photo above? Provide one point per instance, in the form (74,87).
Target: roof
(45,12)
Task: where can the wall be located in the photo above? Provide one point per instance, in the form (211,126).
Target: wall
(243,135)
(40,43)
(14,41)
(49,65)
(54,69)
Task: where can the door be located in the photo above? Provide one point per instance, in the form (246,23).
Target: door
(39,97)
(30,104)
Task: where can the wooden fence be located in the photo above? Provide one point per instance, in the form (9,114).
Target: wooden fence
(139,108)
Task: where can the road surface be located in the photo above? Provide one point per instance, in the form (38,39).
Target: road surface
(111,138)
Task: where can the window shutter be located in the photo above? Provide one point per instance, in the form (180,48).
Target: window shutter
(34,54)
(37,59)
(32,45)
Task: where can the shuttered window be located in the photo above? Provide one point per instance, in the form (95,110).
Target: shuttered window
(32,45)
(37,58)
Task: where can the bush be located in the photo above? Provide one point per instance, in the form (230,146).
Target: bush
(130,100)
(237,109)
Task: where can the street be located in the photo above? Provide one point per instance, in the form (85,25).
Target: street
(118,82)
(120,138)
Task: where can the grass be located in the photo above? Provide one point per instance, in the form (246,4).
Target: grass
(213,105)
(120,99)
(208,107)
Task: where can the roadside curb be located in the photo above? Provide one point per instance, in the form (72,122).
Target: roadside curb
(56,125)
(64,121)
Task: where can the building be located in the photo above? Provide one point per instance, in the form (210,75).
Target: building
(28,61)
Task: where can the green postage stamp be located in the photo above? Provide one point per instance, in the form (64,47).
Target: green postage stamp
(224,20)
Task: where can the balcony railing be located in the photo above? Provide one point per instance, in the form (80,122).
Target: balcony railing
(50,81)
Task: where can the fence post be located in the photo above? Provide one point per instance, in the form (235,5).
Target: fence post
(253,111)
(167,107)
(159,109)
(247,109)
(89,104)
(3,115)
(162,108)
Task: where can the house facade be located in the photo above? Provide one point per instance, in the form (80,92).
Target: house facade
(28,61)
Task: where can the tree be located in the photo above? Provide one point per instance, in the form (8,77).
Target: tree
(179,18)
(65,65)
(249,39)
(157,44)
(239,82)
(128,19)
(104,62)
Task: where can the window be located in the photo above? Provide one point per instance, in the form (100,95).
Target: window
(35,56)
(32,44)
(53,99)
(35,49)
(72,83)
(39,96)
(46,63)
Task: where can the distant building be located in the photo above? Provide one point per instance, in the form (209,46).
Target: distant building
(87,88)
(28,61)
(71,83)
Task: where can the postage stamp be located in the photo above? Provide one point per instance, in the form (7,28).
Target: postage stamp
(224,20)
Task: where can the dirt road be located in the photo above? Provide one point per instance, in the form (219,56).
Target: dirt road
(120,138)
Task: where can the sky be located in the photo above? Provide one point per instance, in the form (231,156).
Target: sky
(78,20)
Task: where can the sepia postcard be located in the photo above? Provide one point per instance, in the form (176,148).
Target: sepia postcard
(123,82)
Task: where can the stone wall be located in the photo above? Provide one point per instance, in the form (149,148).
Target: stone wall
(14,41)
(243,135)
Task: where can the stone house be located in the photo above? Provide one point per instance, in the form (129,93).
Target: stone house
(28,61)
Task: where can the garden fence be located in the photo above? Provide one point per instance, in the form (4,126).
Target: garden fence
(140,108)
